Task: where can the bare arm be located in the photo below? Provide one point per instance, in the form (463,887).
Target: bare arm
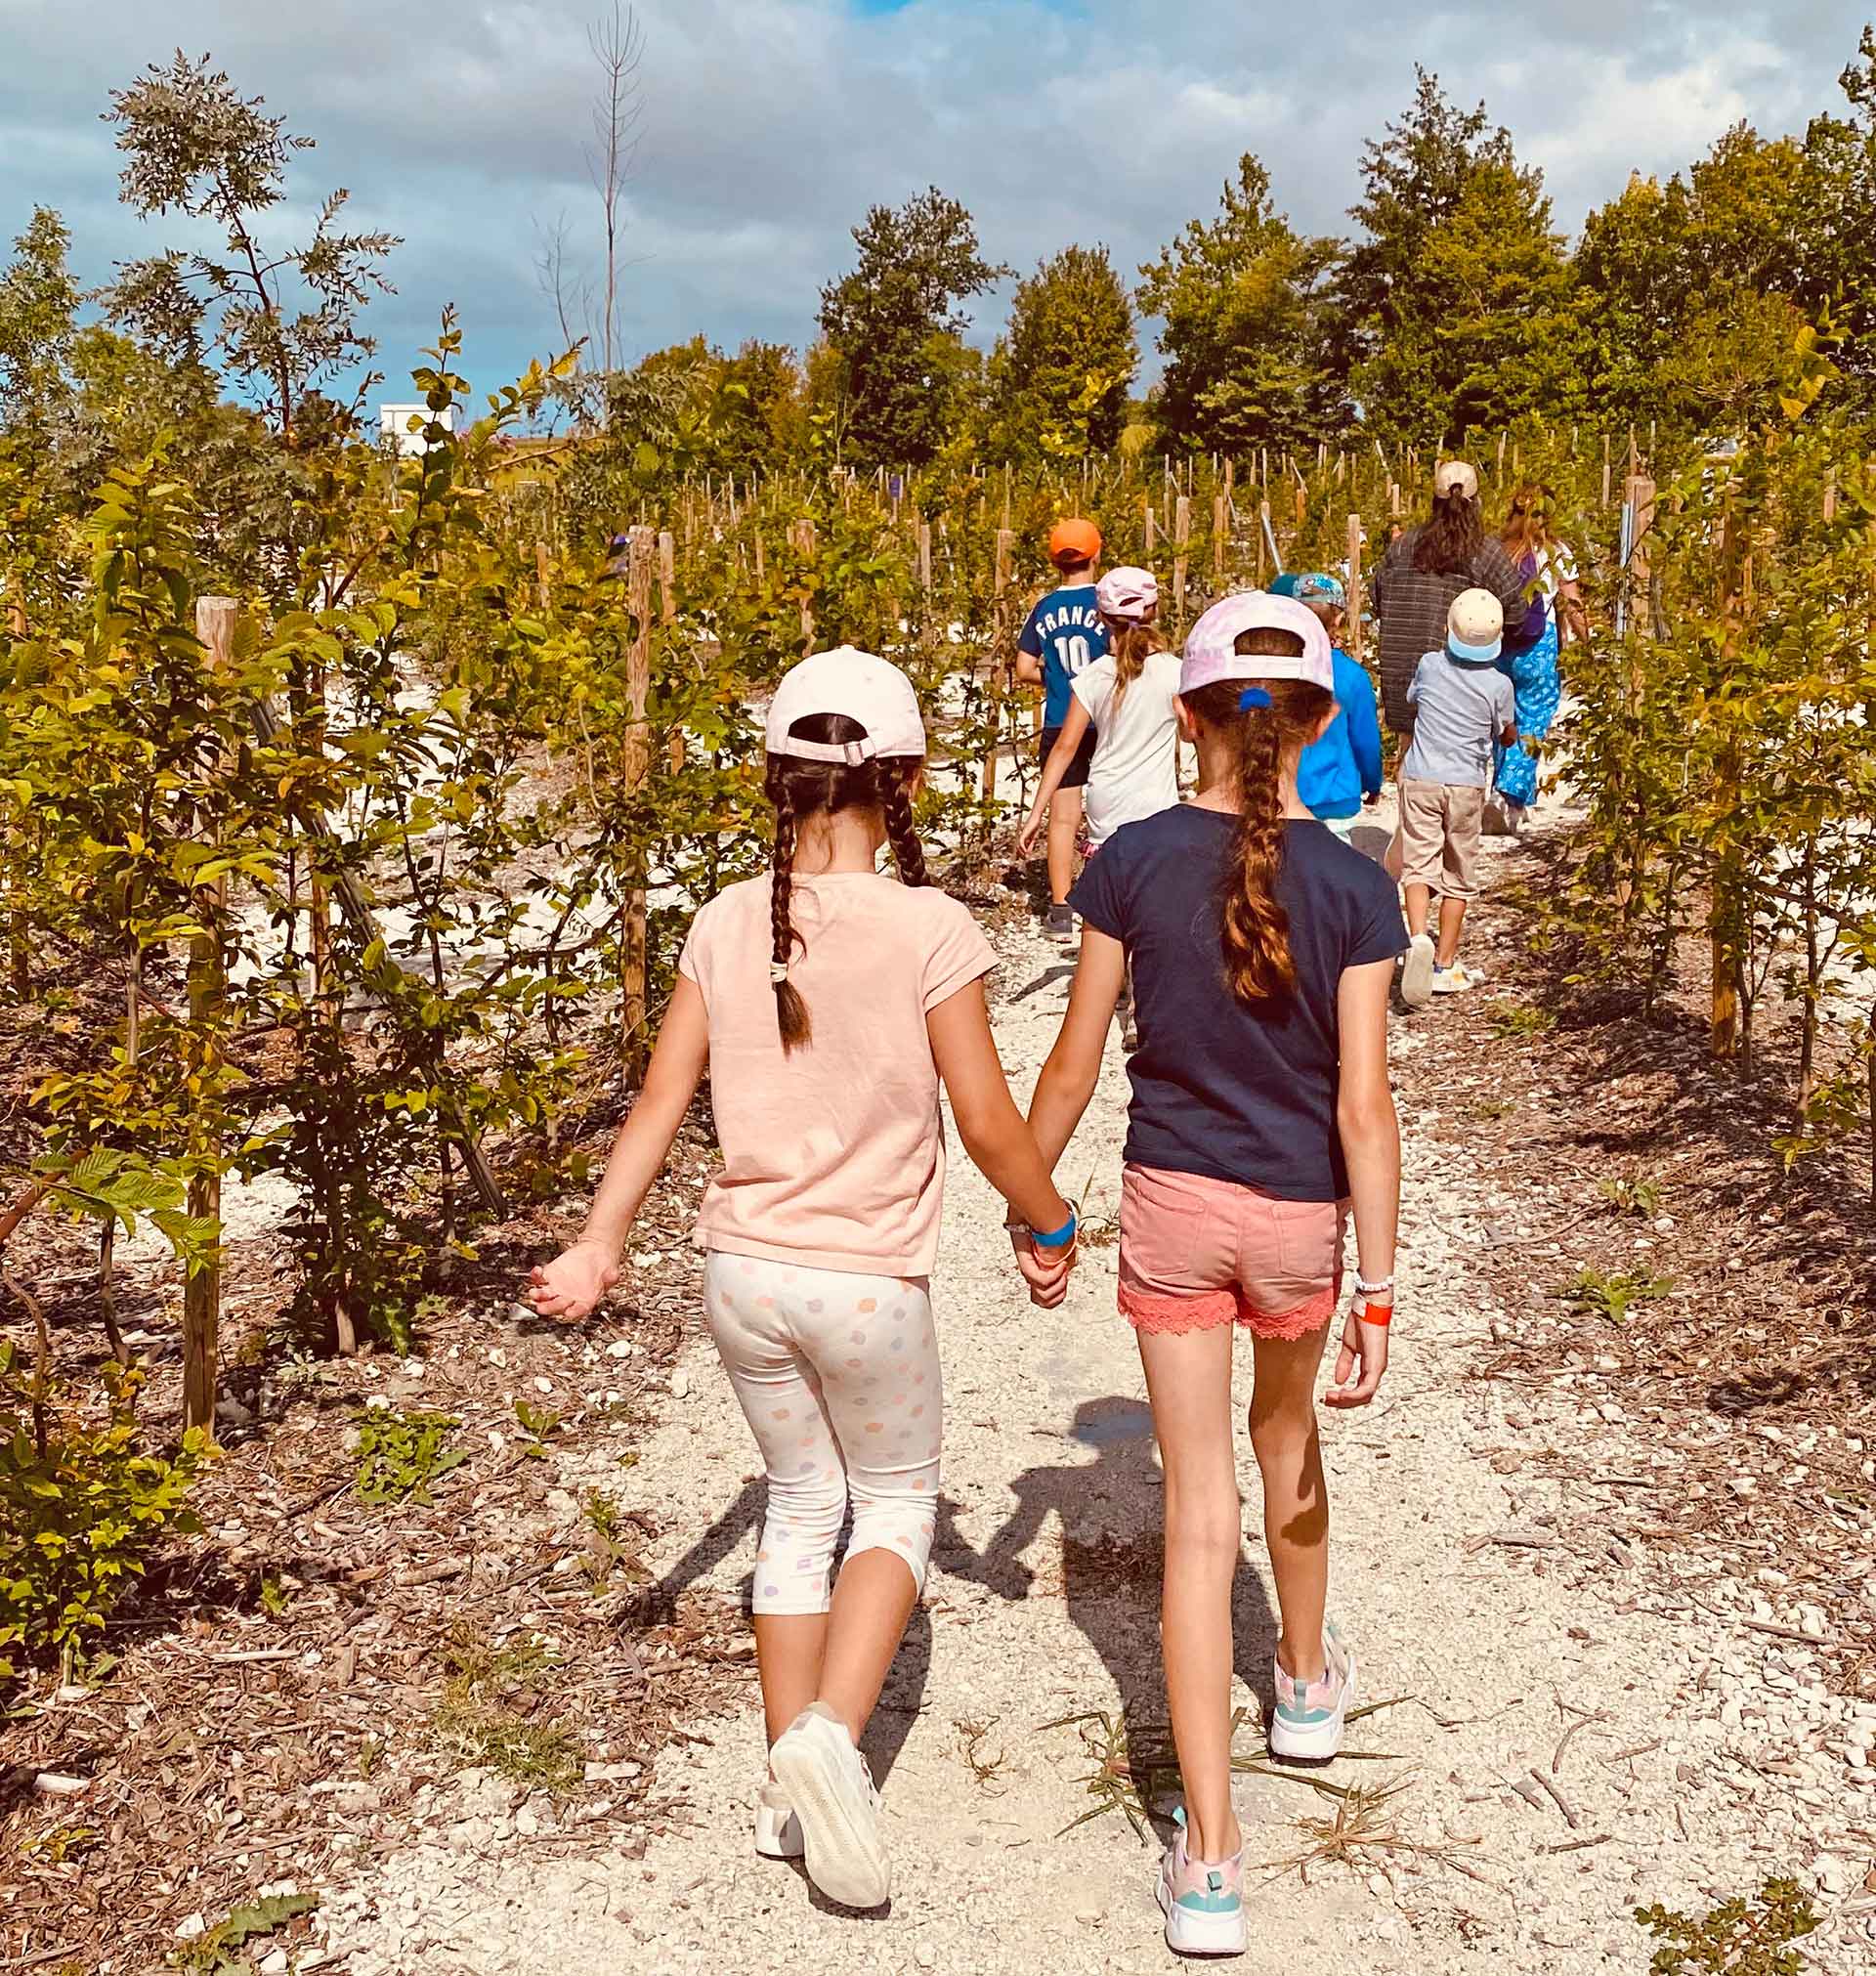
(1060,758)
(574,1281)
(1000,1144)
(1369,1135)
(1068,1078)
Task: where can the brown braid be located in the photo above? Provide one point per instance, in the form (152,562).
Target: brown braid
(801,789)
(1254,926)
(1129,646)
(908,853)
(790,1012)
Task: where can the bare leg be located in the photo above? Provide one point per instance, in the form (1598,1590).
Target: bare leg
(1188,1380)
(1452,917)
(1295,1496)
(790,1649)
(1420,899)
(872,1600)
(1064,827)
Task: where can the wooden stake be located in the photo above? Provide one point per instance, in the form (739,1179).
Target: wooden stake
(1357,642)
(633,933)
(1264,536)
(202,1292)
(924,558)
(1220,534)
(1182,539)
(999,655)
(1606,470)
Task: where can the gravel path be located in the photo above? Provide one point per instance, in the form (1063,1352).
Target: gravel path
(1505,1624)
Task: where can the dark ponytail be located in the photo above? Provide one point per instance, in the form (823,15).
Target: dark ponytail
(1253,929)
(801,790)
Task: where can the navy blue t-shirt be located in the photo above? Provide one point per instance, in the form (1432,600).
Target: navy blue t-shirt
(1066,633)
(1220,1088)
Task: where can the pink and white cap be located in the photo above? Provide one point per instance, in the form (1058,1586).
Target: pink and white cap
(1128,595)
(1211,651)
(871,691)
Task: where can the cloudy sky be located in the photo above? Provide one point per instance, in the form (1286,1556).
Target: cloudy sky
(770,126)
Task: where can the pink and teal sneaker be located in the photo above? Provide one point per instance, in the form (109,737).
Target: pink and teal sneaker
(1310,1716)
(1202,1903)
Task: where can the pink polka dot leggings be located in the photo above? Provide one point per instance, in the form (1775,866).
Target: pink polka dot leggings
(838,1379)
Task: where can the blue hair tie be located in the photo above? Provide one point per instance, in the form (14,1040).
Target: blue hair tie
(1253,696)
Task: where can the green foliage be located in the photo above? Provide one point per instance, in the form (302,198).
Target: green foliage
(894,326)
(1519,1020)
(217,1952)
(1059,382)
(1641,1197)
(539,1424)
(1740,1937)
(1613,1294)
(492,1714)
(1455,301)
(401,1454)
(1243,300)
(84,1504)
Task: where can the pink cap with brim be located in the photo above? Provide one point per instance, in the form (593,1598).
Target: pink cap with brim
(1211,651)
(871,691)
(1127,594)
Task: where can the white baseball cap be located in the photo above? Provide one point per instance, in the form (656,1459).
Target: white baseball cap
(1456,475)
(1128,595)
(868,690)
(1211,646)
(1475,625)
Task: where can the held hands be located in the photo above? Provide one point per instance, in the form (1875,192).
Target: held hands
(572,1283)
(1363,1344)
(1044,1271)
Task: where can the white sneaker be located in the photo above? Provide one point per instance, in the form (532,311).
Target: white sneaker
(1202,1904)
(1453,980)
(1417,971)
(778,1832)
(1307,1724)
(826,1779)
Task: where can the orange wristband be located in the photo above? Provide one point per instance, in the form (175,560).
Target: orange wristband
(1377,1315)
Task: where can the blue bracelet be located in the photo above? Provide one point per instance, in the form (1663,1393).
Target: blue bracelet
(1060,1238)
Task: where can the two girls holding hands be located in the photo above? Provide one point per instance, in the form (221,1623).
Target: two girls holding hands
(830,1002)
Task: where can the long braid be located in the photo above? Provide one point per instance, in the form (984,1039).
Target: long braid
(790,1012)
(1254,927)
(895,802)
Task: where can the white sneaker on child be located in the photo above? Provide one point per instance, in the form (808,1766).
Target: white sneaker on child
(778,1832)
(1310,1715)
(826,1779)
(1417,971)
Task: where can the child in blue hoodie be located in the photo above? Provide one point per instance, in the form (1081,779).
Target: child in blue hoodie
(1341,772)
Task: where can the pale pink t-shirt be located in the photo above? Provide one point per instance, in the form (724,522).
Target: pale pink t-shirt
(834,1154)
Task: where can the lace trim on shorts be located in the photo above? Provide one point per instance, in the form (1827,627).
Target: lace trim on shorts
(1176,1316)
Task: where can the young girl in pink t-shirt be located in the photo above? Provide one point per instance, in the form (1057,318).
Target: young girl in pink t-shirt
(828,1002)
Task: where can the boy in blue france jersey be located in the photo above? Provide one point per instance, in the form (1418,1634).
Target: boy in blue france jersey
(1063,636)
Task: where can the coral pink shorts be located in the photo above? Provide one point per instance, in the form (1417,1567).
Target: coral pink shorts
(1197,1251)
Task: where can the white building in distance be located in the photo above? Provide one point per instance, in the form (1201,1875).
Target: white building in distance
(395,422)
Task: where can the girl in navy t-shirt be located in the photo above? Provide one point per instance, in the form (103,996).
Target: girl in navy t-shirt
(1262,951)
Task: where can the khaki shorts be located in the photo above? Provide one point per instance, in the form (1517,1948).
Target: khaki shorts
(1440,825)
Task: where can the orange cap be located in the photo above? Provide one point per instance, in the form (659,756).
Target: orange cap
(1073,541)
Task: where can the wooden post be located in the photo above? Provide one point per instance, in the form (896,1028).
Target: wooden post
(1181,540)
(633,937)
(1220,536)
(202,1292)
(1726,929)
(1149,525)
(1606,470)
(999,655)
(924,558)
(1830,495)
(1264,536)
(1638,496)
(803,535)
(1393,501)
(1357,641)
(667,577)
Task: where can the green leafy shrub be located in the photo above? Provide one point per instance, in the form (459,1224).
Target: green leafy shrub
(217,1952)
(1739,1937)
(401,1454)
(1612,1293)
(83,1505)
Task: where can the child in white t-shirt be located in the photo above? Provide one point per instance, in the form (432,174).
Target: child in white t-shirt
(1126,698)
